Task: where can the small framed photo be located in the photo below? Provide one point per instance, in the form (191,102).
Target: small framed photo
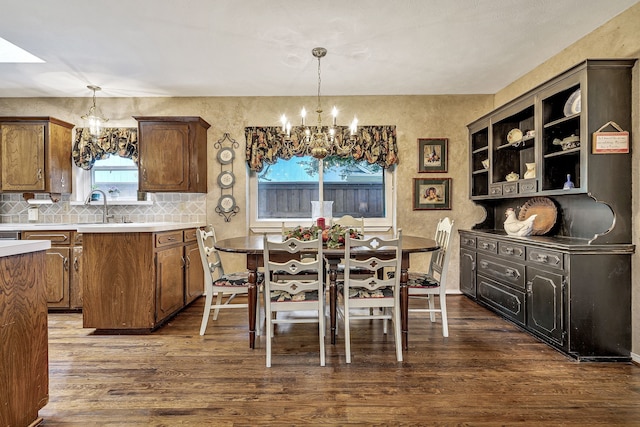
(432,155)
(431,193)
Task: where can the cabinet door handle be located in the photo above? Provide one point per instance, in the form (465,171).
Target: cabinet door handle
(171,239)
(188,261)
(529,287)
(66,263)
(543,258)
(144,174)
(39,174)
(473,266)
(508,251)
(75,264)
(510,272)
(485,246)
(184,263)
(484,264)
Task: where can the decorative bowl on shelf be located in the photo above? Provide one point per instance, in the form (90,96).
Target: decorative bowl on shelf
(485,163)
(567,143)
(514,136)
(512,177)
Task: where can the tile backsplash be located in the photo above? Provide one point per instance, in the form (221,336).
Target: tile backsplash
(174,207)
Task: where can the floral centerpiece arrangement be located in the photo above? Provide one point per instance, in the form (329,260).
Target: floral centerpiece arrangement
(332,236)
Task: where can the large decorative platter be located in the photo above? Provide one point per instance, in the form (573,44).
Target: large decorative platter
(573,105)
(546,211)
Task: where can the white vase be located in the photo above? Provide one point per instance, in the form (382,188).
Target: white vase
(531,171)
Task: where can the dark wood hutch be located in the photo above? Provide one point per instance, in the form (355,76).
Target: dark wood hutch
(572,286)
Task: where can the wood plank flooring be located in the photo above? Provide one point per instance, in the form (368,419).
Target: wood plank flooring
(487,373)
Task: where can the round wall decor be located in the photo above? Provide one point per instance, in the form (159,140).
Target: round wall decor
(226,179)
(226,155)
(227,203)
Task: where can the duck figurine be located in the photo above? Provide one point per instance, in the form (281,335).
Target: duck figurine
(515,227)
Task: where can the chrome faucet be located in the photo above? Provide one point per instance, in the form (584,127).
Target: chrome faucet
(105,210)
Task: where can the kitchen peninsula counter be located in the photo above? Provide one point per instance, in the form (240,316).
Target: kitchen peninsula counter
(138,275)
(24,356)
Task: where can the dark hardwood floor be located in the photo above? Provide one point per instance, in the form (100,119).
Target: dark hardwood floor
(487,373)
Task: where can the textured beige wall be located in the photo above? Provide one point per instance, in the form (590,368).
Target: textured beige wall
(618,38)
(415,117)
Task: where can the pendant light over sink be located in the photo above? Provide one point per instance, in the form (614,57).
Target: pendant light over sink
(94,117)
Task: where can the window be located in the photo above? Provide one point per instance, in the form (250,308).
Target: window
(116,173)
(284,191)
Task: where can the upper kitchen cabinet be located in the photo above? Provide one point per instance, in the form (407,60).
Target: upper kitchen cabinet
(36,155)
(172,154)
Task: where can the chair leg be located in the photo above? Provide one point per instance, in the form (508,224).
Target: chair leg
(217,309)
(445,323)
(347,335)
(321,333)
(207,312)
(397,326)
(432,313)
(269,334)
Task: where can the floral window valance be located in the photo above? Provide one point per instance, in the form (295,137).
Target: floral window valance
(120,141)
(265,144)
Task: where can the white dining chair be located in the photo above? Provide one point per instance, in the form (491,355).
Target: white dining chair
(218,283)
(373,291)
(299,287)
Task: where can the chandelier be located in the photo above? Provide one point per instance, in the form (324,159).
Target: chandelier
(322,140)
(93,117)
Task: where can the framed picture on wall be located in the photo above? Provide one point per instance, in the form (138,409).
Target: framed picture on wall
(432,155)
(431,193)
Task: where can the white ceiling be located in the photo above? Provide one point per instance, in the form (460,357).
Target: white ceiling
(263,47)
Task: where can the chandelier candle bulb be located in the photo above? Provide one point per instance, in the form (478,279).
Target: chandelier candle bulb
(303,114)
(334,113)
(283,121)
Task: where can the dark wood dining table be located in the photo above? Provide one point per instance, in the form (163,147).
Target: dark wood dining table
(252,247)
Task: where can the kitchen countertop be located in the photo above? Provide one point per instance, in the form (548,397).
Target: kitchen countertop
(111,227)
(18,247)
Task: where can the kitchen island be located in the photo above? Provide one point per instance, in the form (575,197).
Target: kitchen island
(136,276)
(24,355)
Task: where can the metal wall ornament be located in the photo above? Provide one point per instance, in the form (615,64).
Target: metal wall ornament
(226,206)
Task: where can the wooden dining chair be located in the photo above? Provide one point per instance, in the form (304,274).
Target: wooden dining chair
(299,286)
(433,283)
(219,283)
(359,295)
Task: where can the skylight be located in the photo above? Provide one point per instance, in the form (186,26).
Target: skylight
(12,53)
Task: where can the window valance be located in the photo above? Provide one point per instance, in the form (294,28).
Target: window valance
(265,144)
(120,141)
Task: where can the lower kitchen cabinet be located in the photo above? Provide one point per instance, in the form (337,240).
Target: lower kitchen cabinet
(138,280)
(63,263)
(194,273)
(574,296)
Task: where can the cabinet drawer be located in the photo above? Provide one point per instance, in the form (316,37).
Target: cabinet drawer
(505,300)
(545,257)
(527,186)
(511,250)
(467,241)
(510,189)
(488,245)
(502,270)
(190,235)
(56,237)
(495,190)
(168,238)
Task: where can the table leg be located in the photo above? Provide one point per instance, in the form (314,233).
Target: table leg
(333,275)
(252,297)
(404,307)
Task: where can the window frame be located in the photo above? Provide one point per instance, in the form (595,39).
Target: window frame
(383,224)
